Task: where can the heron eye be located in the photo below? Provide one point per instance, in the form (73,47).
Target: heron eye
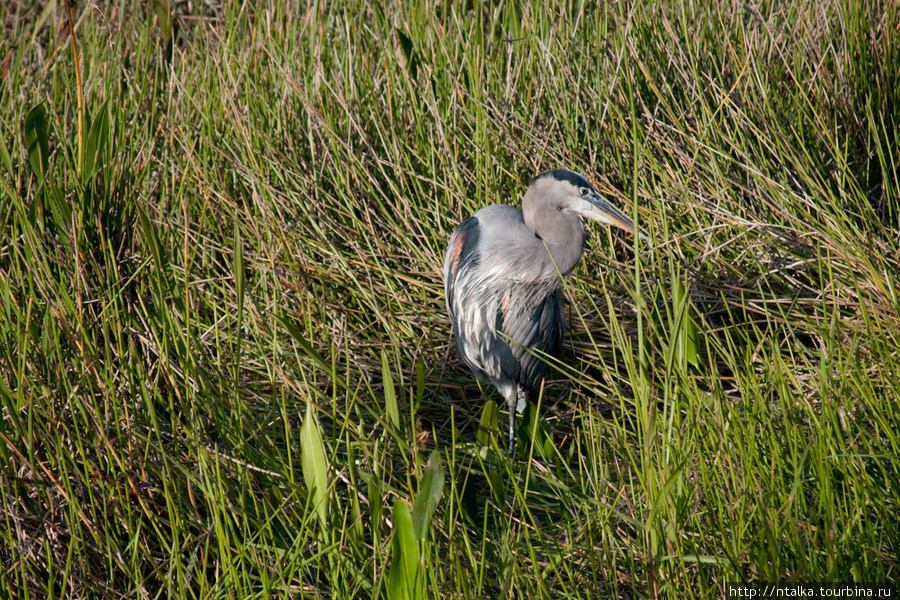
(584,191)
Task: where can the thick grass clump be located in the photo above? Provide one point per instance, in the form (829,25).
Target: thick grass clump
(225,365)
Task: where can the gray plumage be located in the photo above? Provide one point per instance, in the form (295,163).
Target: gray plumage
(502,279)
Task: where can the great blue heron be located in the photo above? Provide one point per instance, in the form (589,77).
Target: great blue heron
(503,273)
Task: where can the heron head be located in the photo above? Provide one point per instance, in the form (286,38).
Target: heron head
(570,192)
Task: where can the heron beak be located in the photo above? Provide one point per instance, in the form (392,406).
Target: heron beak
(593,207)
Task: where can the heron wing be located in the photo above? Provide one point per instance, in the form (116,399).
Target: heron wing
(472,303)
(532,324)
(461,255)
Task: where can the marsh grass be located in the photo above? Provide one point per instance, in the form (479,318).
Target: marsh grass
(225,361)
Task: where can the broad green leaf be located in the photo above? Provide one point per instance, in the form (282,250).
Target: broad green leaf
(5,159)
(314,464)
(487,426)
(95,149)
(164,17)
(403,580)
(376,505)
(151,239)
(37,140)
(686,335)
(429,495)
(409,53)
(390,394)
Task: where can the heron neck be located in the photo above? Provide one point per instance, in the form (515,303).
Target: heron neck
(563,235)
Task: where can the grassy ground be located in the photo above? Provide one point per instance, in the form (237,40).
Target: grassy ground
(225,366)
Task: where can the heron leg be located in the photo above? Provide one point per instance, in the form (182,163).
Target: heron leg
(511,403)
